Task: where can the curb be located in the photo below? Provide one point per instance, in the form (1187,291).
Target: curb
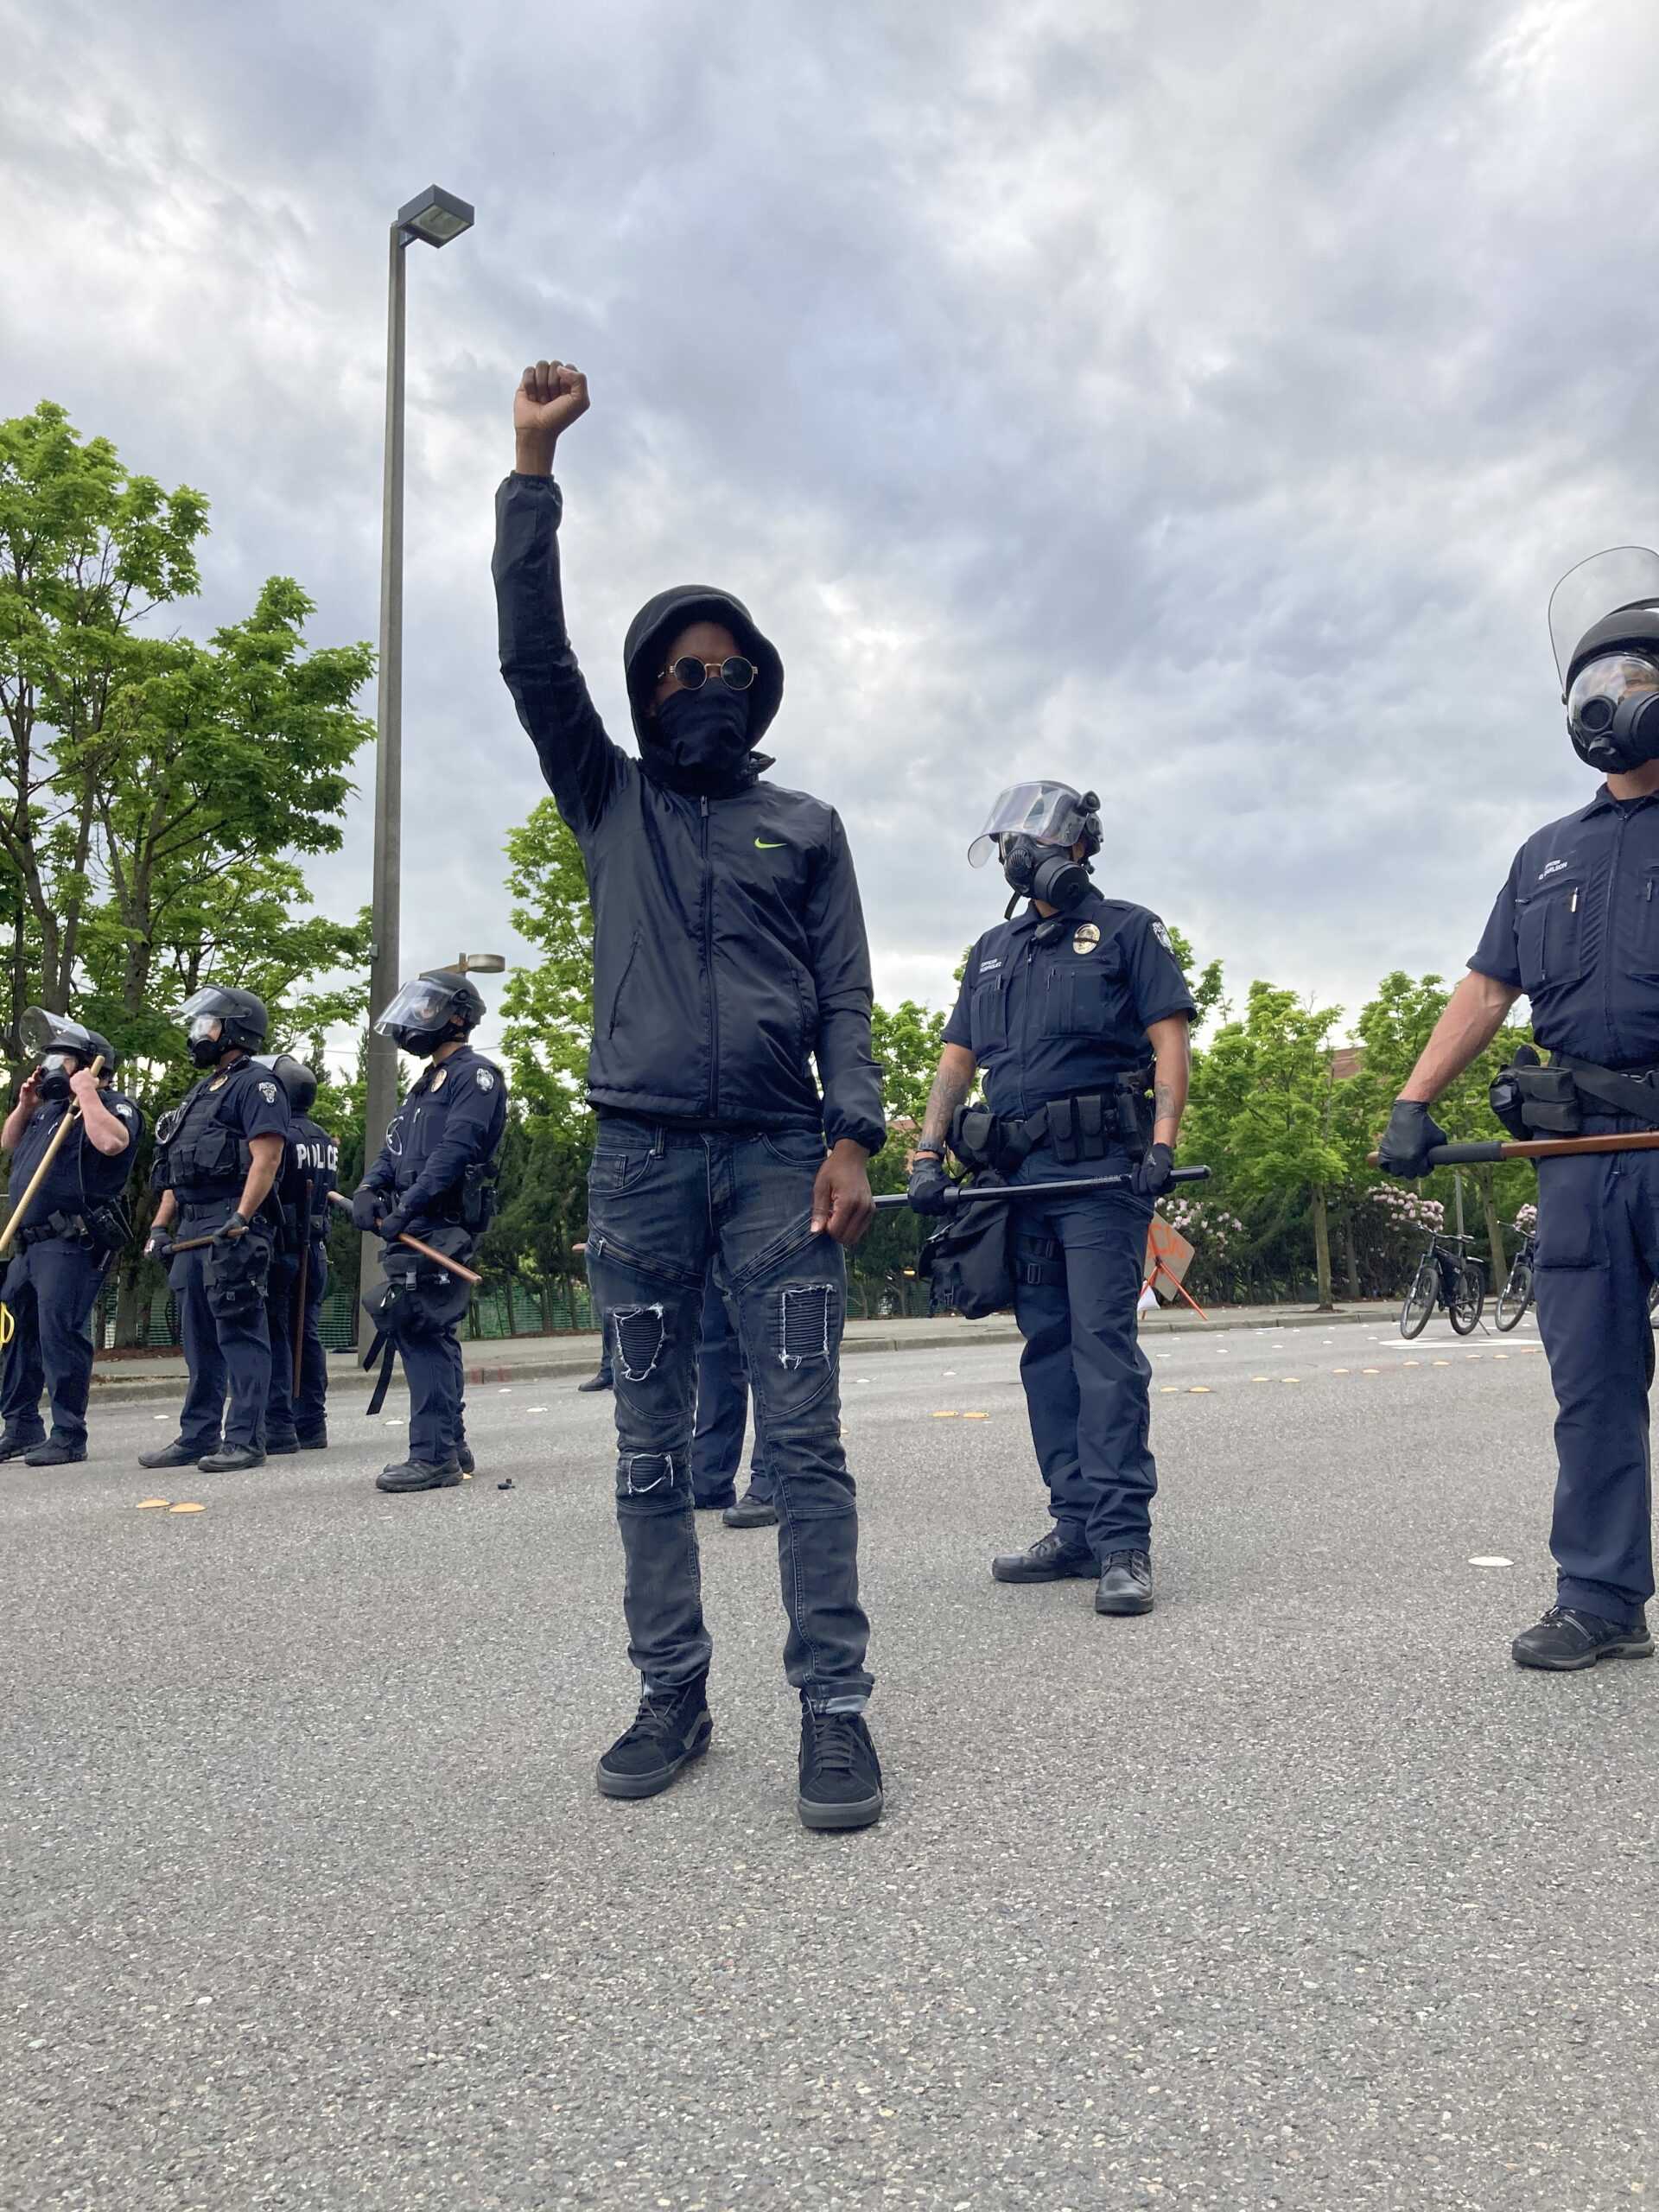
(134,1389)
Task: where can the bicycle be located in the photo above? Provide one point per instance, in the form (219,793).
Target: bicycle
(1447,1275)
(1516,1294)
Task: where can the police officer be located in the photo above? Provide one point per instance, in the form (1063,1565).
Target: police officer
(297,1420)
(62,1249)
(721,1418)
(1077,1014)
(1576,928)
(434,1176)
(217,1158)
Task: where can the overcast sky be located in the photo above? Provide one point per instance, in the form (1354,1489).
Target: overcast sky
(1194,399)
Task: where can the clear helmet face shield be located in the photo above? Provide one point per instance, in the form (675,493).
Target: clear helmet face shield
(1626,576)
(1049,813)
(41,1033)
(422,1007)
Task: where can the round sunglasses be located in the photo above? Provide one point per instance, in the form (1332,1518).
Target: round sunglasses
(737,674)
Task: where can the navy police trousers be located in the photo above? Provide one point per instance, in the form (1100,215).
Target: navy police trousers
(50,1288)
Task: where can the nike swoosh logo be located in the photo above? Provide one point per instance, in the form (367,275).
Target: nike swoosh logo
(761,846)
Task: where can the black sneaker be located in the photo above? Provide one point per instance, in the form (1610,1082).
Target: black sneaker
(234,1460)
(1565,1640)
(282,1444)
(13,1446)
(177,1454)
(671,1728)
(419,1474)
(317,1442)
(54,1453)
(464,1460)
(1125,1584)
(841,1775)
(1050,1559)
(751,1512)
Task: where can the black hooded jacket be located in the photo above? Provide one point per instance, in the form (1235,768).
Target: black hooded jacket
(728,941)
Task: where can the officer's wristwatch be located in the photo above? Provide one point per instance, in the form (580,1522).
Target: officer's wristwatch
(928,1152)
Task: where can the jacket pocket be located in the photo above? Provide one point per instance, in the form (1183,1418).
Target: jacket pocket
(1085,996)
(621,985)
(987,1017)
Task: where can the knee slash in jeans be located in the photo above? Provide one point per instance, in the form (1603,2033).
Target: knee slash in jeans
(805,1313)
(641,1473)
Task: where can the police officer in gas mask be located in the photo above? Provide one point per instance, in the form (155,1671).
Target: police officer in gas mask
(1076,1015)
(434,1177)
(296,1415)
(216,1157)
(62,1247)
(1576,929)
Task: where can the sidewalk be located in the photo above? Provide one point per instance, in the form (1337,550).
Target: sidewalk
(514,1359)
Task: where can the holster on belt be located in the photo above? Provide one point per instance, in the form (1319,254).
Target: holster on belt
(1532,1100)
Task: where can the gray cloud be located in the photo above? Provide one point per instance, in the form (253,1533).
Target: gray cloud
(1196,401)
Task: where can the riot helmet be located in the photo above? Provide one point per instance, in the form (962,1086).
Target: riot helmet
(299,1083)
(219,1018)
(57,1040)
(440,1005)
(1603,626)
(1032,829)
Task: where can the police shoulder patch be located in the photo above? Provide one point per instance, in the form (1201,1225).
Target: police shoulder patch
(124,1109)
(1161,934)
(486,1080)
(268,1092)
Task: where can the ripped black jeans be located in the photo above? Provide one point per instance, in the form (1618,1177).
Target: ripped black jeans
(661,1203)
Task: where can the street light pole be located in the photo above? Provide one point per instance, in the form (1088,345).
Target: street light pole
(382,1096)
(434,216)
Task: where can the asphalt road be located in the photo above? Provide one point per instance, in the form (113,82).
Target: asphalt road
(1296,1893)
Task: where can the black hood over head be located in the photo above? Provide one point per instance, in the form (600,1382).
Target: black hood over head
(661,619)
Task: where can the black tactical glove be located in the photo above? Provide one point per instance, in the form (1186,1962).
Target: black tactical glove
(1408,1140)
(366,1207)
(929,1184)
(158,1245)
(391,1225)
(1151,1175)
(235,1227)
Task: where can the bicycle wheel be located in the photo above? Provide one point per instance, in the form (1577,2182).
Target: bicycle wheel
(1515,1296)
(1421,1298)
(1468,1297)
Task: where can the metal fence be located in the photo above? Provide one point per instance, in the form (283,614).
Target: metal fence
(508,1308)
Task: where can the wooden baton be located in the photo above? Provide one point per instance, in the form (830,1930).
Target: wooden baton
(418,1244)
(1484,1154)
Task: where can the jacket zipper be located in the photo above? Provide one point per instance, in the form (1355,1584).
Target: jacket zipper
(1607,937)
(708,964)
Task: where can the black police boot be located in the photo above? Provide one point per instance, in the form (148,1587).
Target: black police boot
(419,1474)
(751,1512)
(234,1460)
(279,1445)
(1125,1584)
(1566,1640)
(464,1460)
(177,1454)
(595,1382)
(54,1453)
(13,1446)
(841,1775)
(1050,1559)
(316,1442)
(671,1728)
(717,1501)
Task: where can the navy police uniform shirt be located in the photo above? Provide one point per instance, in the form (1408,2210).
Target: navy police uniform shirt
(451,1120)
(314,1158)
(1058,1008)
(207,1159)
(81,1175)
(1576,927)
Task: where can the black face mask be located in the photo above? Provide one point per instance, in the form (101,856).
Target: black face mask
(1045,872)
(55,1077)
(705,733)
(205,1051)
(421,1043)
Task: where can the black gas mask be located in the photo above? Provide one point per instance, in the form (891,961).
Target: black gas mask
(1604,628)
(1035,870)
(207,1041)
(55,1071)
(1612,712)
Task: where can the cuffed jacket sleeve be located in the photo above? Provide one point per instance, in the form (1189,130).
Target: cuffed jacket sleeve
(582,765)
(841,969)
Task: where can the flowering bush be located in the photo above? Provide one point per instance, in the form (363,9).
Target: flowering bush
(1407,1210)
(1526,1221)
(1200,1223)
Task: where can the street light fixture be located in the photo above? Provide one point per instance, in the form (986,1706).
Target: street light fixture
(480,963)
(434,217)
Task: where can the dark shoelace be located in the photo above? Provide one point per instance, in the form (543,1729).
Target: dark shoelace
(657,1721)
(836,1745)
(1141,1560)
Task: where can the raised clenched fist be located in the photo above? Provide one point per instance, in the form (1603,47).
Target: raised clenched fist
(550,397)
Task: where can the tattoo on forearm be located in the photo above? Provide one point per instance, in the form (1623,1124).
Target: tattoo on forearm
(949,1091)
(1166,1106)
